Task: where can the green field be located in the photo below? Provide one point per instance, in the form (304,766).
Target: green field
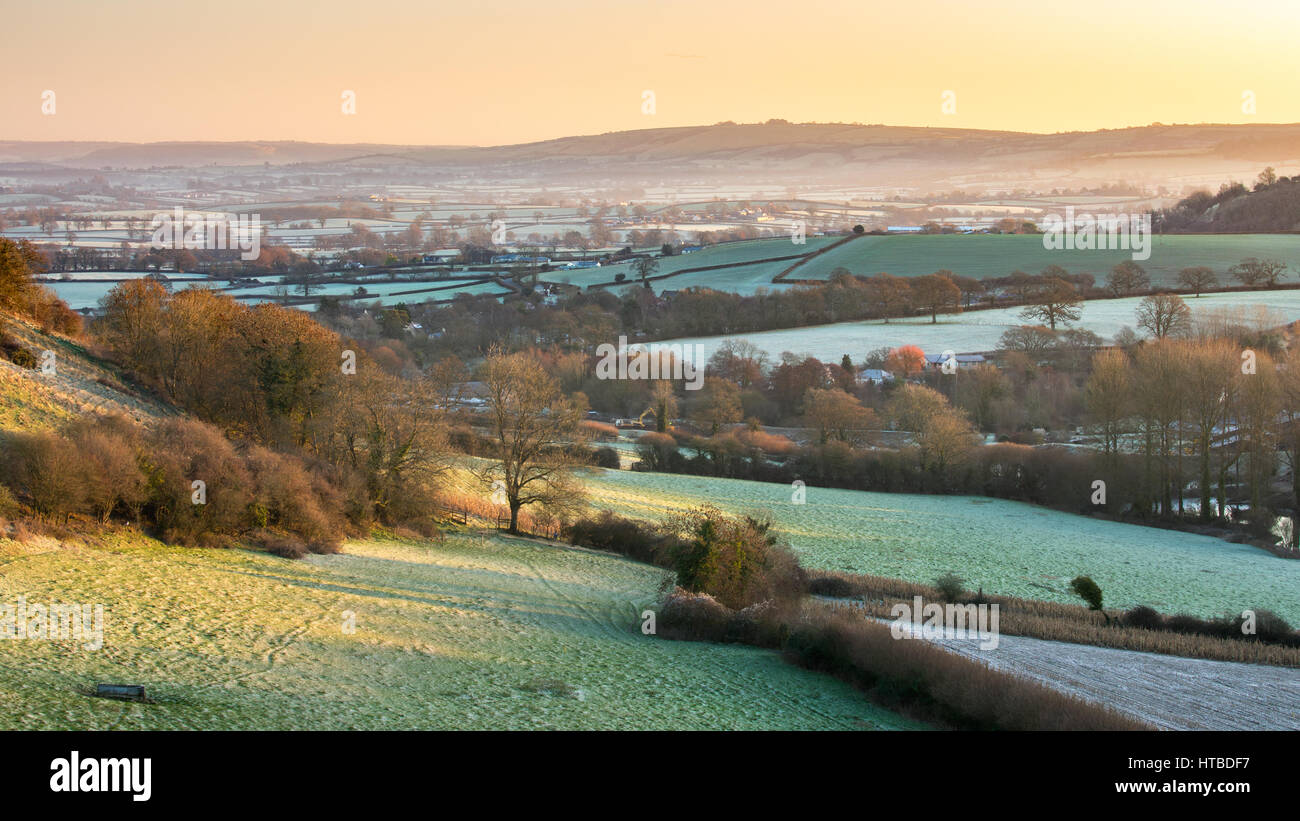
(742,279)
(1005,547)
(473,632)
(997,255)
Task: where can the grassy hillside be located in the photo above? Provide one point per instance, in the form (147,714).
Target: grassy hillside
(472,632)
(82,383)
(1008,548)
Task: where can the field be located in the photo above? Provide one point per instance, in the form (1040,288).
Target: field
(997,255)
(473,632)
(979,330)
(743,279)
(80,295)
(1169,692)
(1007,548)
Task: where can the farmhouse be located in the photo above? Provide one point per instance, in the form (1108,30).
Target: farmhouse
(875,376)
(934,361)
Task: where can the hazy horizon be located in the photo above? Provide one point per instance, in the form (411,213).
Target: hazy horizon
(517,73)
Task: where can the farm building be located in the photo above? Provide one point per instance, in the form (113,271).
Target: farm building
(934,361)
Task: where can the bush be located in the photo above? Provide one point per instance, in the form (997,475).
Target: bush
(23,358)
(1143,617)
(1269,627)
(739,561)
(48,467)
(289,498)
(832,586)
(9,507)
(619,535)
(950,587)
(1085,588)
(693,617)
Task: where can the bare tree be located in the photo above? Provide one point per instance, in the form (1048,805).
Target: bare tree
(1253,272)
(1053,301)
(535,428)
(1197,279)
(1164,315)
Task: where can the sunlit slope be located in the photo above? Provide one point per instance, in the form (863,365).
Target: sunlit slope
(472,632)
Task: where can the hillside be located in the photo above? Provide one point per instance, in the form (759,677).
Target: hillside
(806,153)
(82,384)
(473,632)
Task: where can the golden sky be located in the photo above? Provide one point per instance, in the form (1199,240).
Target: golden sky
(505,71)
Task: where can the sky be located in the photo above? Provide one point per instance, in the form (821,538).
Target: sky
(430,72)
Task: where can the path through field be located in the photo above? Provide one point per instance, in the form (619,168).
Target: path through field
(1169,692)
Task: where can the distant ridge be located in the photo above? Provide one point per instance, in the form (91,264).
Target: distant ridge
(808,153)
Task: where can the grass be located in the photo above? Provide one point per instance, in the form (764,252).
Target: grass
(82,383)
(978,330)
(743,279)
(997,255)
(1008,548)
(473,632)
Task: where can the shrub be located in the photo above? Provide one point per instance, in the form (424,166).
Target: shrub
(23,358)
(619,535)
(1085,588)
(600,431)
(9,507)
(1269,626)
(49,468)
(1143,617)
(692,616)
(183,451)
(111,469)
(739,561)
(950,587)
(288,497)
(832,586)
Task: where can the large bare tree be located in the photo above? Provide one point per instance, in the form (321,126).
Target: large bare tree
(535,428)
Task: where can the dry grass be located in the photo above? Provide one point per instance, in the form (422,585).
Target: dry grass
(1057,622)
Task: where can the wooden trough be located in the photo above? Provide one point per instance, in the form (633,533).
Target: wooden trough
(122,692)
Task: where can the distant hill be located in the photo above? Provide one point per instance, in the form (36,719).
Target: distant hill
(777,151)
(1269,208)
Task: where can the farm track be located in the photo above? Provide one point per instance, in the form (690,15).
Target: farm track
(1169,692)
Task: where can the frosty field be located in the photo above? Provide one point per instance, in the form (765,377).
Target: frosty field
(472,632)
(977,331)
(1005,547)
(995,255)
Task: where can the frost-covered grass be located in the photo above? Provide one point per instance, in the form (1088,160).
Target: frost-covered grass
(993,255)
(1008,548)
(474,632)
(980,330)
(744,279)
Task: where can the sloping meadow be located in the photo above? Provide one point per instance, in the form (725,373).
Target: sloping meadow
(470,632)
(1007,548)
